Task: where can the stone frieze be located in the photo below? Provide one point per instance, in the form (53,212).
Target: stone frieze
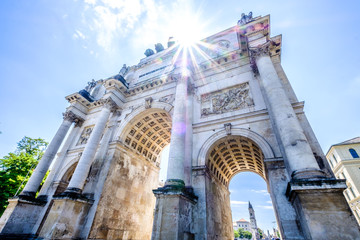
(85,135)
(226,100)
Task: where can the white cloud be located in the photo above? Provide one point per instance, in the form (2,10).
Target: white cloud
(238,202)
(142,22)
(78,34)
(91,2)
(269,202)
(112,19)
(265,192)
(264,207)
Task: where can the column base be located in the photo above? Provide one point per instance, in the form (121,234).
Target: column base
(21,215)
(322,209)
(308,173)
(74,194)
(66,217)
(11,236)
(173,212)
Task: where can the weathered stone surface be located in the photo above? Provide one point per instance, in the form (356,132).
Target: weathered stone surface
(219,220)
(65,219)
(125,210)
(19,217)
(322,209)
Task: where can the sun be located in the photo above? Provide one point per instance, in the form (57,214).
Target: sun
(187,29)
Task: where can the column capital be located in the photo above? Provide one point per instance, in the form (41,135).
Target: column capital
(109,104)
(70,116)
(259,51)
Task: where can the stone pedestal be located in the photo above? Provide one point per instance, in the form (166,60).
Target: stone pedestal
(173,213)
(20,217)
(322,209)
(285,213)
(66,218)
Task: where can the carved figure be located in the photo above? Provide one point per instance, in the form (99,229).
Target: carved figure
(245,18)
(123,70)
(159,47)
(149,52)
(85,136)
(90,85)
(148,102)
(228,128)
(171,41)
(226,100)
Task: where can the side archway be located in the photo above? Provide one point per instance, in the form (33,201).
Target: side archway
(147,133)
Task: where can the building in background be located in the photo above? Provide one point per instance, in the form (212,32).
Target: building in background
(242,223)
(345,162)
(254,229)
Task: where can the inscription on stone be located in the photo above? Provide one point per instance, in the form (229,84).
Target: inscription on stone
(226,100)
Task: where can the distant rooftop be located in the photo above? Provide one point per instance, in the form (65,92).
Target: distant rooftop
(350,141)
(242,220)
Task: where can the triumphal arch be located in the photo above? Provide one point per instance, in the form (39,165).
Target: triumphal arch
(224,105)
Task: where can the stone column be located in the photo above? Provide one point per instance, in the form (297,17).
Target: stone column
(35,180)
(82,169)
(174,201)
(299,156)
(175,172)
(46,189)
(189,136)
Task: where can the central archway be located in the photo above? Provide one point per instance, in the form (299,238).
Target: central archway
(127,203)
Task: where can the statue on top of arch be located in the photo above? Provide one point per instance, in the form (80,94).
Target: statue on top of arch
(245,19)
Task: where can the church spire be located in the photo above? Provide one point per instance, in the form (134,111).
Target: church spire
(254,229)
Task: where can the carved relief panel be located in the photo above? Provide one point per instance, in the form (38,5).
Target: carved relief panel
(226,100)
(85,135)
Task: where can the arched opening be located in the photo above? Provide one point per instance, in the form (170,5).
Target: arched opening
(127,200)
(149,133)
(65,180)
(61,187)
(227,157)
(234,154)
(250,188)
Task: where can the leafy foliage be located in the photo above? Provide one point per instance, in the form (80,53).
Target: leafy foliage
(236,234)
(244,234)
(261,233)
(16,167)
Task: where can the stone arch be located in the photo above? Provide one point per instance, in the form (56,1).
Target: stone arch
(130,118)
(259,140)
(66,176)
(226,155)
(65,169)
(234,154)
(147,132)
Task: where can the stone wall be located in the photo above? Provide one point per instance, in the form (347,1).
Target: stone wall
(125,210)
(219,219)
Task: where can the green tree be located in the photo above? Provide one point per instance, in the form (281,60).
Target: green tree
(236,234)
(244,234)
(261,233)
(16,168)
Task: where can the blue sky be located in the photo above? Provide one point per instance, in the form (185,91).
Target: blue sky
(50,49)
